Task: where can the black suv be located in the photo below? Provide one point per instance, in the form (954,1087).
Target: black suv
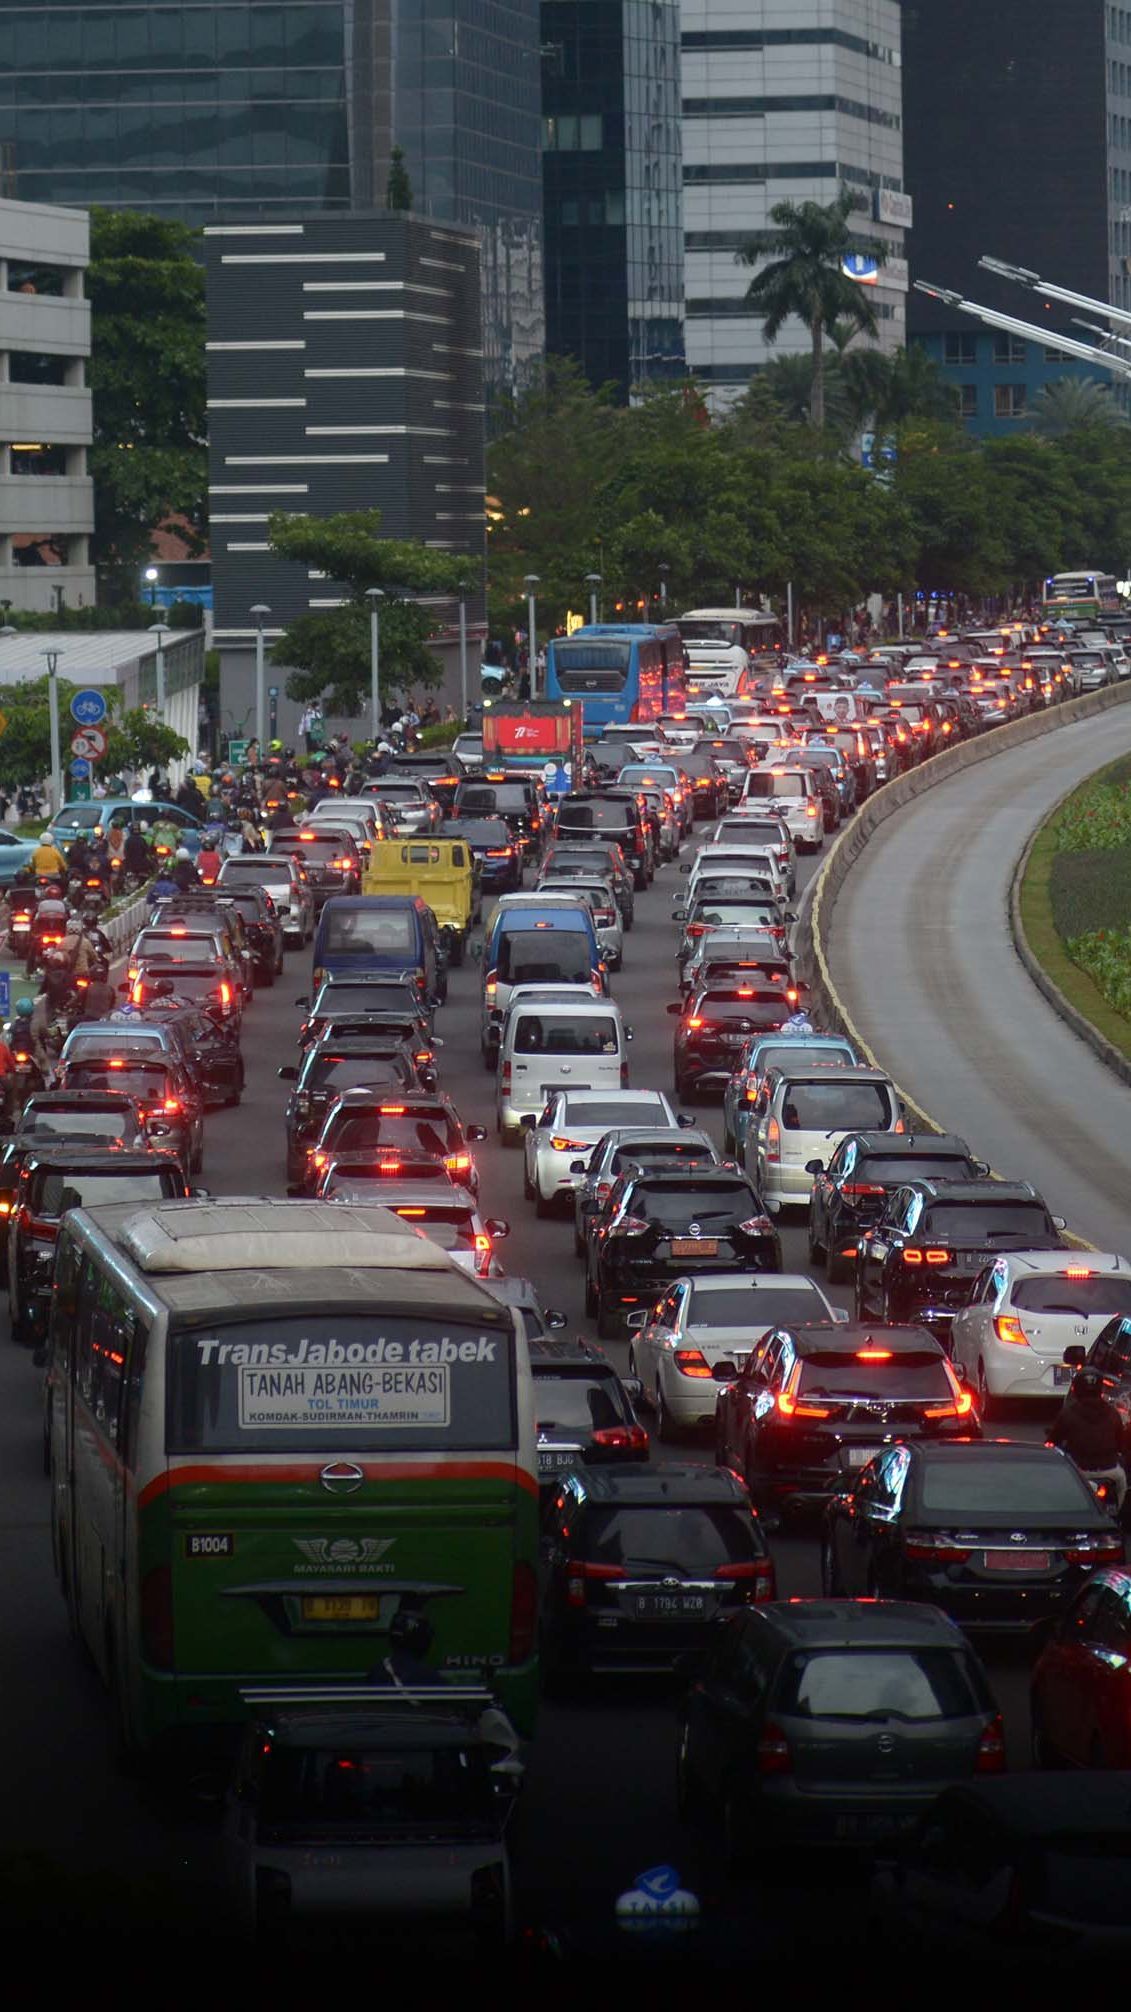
(922,1257)
(715,1025)
(517,799)
(584,1410)
(638,1563)
(850,1193)
(66,1176)
(608,814)
(493,845)
(662,1226)
(813,1404)
(262,926)
(170,1097)
(324,1072)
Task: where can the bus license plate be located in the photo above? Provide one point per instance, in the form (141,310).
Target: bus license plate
(340,1607)
(695,1246)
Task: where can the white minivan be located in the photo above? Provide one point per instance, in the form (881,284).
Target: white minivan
(556,1038)
(801,1115)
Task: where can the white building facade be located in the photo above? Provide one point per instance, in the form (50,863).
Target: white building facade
(784,100)
(46,494)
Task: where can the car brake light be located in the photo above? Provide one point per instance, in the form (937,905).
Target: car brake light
(858,1188)
(937,1257)
(1078,1271)
(225,992)
(1008,1328)
(773,1140)
(696,1020)
(171,1104)
(926,1547)
(691,1362)
(756,1226)
(912,1257)
(990,1758)
(873,1355)
(561,1145)
(458,1163)
(774,1756)
(580,1570)
(631,1438)
(754,1575)
(632,1226)
(482,1240)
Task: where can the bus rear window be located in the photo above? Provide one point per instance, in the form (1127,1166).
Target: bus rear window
(362,1383)
(55,1193)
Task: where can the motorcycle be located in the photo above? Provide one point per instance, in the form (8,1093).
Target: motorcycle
(47,934)
(24,903)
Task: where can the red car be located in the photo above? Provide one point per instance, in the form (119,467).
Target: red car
(1081,1689)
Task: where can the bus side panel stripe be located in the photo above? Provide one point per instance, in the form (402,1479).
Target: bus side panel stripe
(241,1475)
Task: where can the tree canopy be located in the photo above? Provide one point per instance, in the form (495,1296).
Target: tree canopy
(149,458)
(134,740)
(806,278)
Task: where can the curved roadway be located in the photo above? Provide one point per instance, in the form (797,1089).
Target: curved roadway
(919,949)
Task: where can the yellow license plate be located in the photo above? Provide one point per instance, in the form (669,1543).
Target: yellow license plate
(340,1607)
(695,1247)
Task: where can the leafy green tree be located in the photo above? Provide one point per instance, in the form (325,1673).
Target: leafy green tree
(941,481)
(789,380)
(134,739)
(149,458)
(550,454)
(1074,405)
(398,188)
(330,651)
(806,278)
(137,740)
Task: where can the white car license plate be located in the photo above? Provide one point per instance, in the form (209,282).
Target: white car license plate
(1063,1372)
(859,1456)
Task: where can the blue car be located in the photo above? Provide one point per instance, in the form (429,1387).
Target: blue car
(774,1050)
(15,854)
(82,817)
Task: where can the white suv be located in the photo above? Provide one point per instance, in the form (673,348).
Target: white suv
(793,796)
(801,1115)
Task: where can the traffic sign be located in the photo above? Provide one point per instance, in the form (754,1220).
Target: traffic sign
(88,707)
(89,743)
(80,769)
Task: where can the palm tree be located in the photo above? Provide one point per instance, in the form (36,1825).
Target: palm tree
(807,279)
(1073,405)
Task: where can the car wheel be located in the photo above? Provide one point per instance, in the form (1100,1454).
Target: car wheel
(542,1205)
(666,1430)
(590,1296)
(831,1587)
(527,1183)
(608,1323)
(987,1404)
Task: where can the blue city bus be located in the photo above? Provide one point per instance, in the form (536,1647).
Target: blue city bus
(618,671)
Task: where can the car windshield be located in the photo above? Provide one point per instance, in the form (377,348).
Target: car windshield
(668,1536)
(580,1400)
(755,1304)
(54,1193)
(912,1167)
(985,1222)
(908,1373)
(606,1112)
(714,1202)
(557,1034)
(1017,1488)
(355,1072)
(1053,1293)
(406,1786)
(913,1685)
(835,1106)
(351,1131)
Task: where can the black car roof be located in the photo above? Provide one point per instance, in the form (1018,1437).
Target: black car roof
(852,1624)
(675,1486)
(551,1351)
(900,1145)
(838,1338)
(68,1154)
(676,1177)
(975,1193)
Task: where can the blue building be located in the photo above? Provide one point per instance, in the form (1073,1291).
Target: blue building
(998,376)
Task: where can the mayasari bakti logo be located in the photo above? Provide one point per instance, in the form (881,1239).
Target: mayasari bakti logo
(343,1554)
(657,1901)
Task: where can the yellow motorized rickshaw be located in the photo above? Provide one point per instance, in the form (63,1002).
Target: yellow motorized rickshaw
(443,871)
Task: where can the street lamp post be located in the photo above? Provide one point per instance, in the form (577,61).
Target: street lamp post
(531,582)
(152,576)
(663,572)
(52,657)
(260,613)
(374,596)
(463,651)
(593,582)
(160,630)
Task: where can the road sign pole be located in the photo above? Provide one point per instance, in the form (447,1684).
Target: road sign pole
(52,657)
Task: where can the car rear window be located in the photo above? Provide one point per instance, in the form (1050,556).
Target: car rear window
(54,1193)
(911,1685)
(606,1112)
(80,1123)
(354,1131)
(913,1167)
(544,957)
(790,783)
(835,1106)
(984,1222)
(755,1305)
(452,1228)
(411,1787)
(354,1072)
(670,1536)
(359,998)
(1017,1488)
(578,1399)
(1083,1297)
(175,946)
(703,1202)
(313,848)
(378,929)
(734,1006)
(657,1149)
(557,1034)
(781,1058)
(270,868)
(909,1373)
(188,982)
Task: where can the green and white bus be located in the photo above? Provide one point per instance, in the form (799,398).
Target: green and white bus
(272,1425)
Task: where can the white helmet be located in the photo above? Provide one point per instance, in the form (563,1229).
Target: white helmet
(183,852)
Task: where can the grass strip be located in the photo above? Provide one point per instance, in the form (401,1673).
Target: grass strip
(1048,948)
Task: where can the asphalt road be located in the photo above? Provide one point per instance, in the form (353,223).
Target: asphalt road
(920,952)
(599,1802)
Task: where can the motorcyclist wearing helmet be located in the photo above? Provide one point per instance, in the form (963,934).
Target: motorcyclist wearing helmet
(185,874)
(1090,1430)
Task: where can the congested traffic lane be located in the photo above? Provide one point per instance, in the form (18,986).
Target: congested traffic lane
(920,952)
(599,1803)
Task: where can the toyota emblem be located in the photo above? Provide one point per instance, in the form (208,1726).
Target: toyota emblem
(341,1478)
(1018,1537)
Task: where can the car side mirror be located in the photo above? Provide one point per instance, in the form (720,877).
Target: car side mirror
(1075,1355)
(302,1000)
(477,953)
(288,1073)
(840,1315)
(498,1226)
(685,1121)
(685,869)
(724,1372)
(437,1041)
(629,1034)
(555,1319)
(529,1121)
(679,914)
(959,1370)
(814,1166)
(200,1194)
(475,1134)
(579,1166)
(637,1320)
(1060,1222)
(428,1079)
(982,1169)
(633,1388)
(674,1008)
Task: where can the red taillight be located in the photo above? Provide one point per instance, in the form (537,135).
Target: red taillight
(1008,1328)
(632,1226)
(225,991)
(990,1758)
(505,1077)
(756,1226)
(632,1438)
(937,1257)
(524,1612)
(581,1570)
(691,1362)
(755,1577)
(912,1257)
(773,1140)
(458,1163)
(171,1104)
(1097,1551)
(774,1756)
(157,1617)
(790,1408)
(934,1550)
(858,1188)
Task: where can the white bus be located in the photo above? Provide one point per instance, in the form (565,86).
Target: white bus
(722,643)
(1086,596)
